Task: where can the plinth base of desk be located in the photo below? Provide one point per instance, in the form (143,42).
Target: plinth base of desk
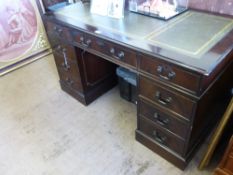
(93,93)
(75,94)
(170,156)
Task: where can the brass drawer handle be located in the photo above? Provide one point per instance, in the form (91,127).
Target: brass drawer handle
(161,139)
(65,66)
(112,51)
(87,43)
(162,101)
(162,122)
(170,75)
(119,56)
(84,43)
(81,39)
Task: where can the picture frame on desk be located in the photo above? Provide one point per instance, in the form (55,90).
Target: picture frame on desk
(111,8)
(116,8)
(99,7)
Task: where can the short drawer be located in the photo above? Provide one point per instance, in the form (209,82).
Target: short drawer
(66,51)
(57,31)
(120,53)
(160,136)
(67,67)
(170,73)
(80,38)
(173,101)
(162,119)
(70,81)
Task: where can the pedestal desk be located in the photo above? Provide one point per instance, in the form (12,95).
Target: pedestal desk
(184,70)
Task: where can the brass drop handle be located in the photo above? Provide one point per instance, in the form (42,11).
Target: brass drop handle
(82,39)
(170,75)
(162,122)
(66,66)
(162,101)
(120,55)
(112,51)
(85,44)
(159,138)
(88,43)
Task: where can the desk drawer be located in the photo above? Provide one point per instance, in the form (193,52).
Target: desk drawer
(160,136)
(122,54)
(71,83)
(80,38)
(170,73)
(67,67)
(56,30)
(162,119)
(166,98)
(66,51)
(116,52)
(71,78)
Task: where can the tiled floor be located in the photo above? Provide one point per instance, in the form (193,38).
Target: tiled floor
(44,131)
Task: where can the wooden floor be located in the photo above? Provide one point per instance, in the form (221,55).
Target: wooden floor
(44,131)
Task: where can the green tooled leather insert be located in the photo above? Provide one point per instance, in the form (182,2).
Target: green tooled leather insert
(193,35)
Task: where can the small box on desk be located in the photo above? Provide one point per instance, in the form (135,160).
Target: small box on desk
(127,84)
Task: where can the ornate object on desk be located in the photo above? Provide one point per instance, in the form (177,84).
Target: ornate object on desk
(162,9)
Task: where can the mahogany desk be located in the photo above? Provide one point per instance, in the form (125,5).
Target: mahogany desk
(184,70)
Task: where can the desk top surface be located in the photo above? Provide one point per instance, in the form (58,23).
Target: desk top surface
(195,40)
